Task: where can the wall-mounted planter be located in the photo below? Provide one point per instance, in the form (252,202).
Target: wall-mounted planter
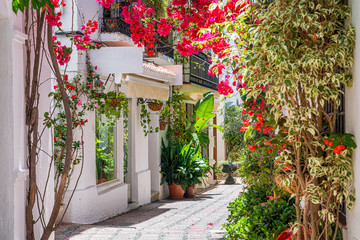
(155,106)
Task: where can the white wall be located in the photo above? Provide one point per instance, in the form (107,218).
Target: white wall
(352,124)
(7,174)
(13,135)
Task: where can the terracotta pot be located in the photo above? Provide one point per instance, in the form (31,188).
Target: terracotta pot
(190,192)
(163,125)
(176,192)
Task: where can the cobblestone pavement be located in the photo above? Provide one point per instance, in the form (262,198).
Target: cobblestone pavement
(198,218)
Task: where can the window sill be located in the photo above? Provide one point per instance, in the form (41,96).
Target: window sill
(107,186)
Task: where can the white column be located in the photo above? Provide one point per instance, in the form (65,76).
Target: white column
(140,173)
(155,154)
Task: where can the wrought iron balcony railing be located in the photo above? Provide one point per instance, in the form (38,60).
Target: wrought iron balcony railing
(198,72)
(117,24)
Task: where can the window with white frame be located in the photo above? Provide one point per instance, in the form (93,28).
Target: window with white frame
(111,148)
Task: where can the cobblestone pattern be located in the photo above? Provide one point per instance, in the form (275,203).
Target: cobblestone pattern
(198,218)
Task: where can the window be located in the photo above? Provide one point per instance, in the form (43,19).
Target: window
(105,148)
(112,144)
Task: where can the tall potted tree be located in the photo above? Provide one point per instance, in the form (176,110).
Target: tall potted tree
(173,169)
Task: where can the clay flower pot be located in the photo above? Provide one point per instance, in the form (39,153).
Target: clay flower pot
(190,192)
(176,192)
(162,125)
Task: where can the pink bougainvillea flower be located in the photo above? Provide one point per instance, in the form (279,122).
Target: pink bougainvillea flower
(224,88)
(54,20)
(164,28)
(105,3)
(210,224)
(273,198)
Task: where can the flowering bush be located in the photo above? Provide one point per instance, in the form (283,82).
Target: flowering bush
(258,214)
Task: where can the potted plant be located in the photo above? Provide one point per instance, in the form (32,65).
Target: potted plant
(173,169)
(164,115)
(196,169)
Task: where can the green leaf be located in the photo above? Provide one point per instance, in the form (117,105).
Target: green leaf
(349,141)
(15,6)
(205,107)
(288,83)
(248,133)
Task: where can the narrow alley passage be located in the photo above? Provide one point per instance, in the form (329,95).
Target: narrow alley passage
(198,218)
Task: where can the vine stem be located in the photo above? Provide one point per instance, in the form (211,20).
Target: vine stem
(69,139)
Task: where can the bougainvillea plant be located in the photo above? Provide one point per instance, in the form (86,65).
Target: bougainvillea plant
(296,55)
(71,98)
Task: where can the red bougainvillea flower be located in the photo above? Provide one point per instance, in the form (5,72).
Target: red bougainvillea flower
(270,150)
(243,129)
(286,235)
(338,149)
(267,129)
(251,147)
(258,126)
(326,142)
(283,146)
(250,113)
(246,122)
(330,143)
(260,116)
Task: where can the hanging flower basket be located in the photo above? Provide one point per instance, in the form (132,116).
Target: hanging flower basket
(113,101)
(163,125)
(155,106)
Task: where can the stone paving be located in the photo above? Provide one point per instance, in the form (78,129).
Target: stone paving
(198,218)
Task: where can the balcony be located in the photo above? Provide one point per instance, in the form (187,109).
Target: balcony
(197,72)
(117,24)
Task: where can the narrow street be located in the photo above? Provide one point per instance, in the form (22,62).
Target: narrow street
(198,218)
